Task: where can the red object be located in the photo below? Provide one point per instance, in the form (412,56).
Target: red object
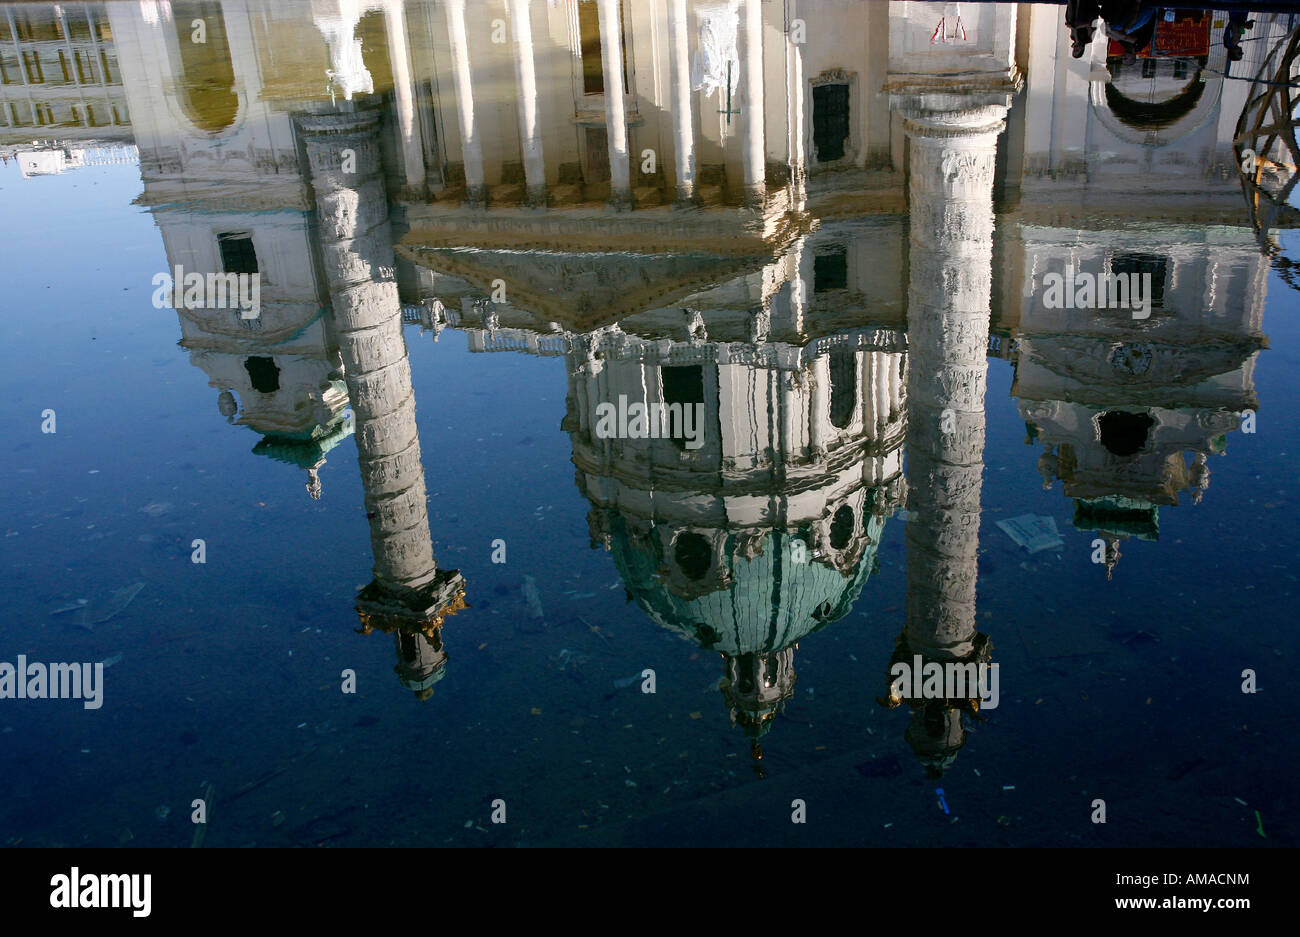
(1187,36)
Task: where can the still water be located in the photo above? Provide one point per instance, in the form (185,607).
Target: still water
(393,548)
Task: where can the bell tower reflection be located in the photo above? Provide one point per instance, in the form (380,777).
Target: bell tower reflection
(409,595)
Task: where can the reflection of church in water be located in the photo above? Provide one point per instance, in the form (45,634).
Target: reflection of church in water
(688,203)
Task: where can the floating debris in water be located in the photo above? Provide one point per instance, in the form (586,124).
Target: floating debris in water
(110,661)
(624,682)
(162,812)
(1034,532)
(942,803)
(91,614)
(156,508)
(533,598)
(568,662)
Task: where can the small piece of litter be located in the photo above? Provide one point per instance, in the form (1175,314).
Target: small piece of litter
(1034,532)
(536,711)
(977,772)
(1240,801)
(888,825)
(1008,787)
(697,715)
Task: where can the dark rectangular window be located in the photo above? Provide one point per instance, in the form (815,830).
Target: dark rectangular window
(844,386)
(33,63)
(237,254)
(830,121)
(1144,263)
(593,69)
(85,68)
(830,270)
(682,384)
(593,73)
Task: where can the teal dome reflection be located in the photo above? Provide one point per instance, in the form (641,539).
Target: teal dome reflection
(760,592)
